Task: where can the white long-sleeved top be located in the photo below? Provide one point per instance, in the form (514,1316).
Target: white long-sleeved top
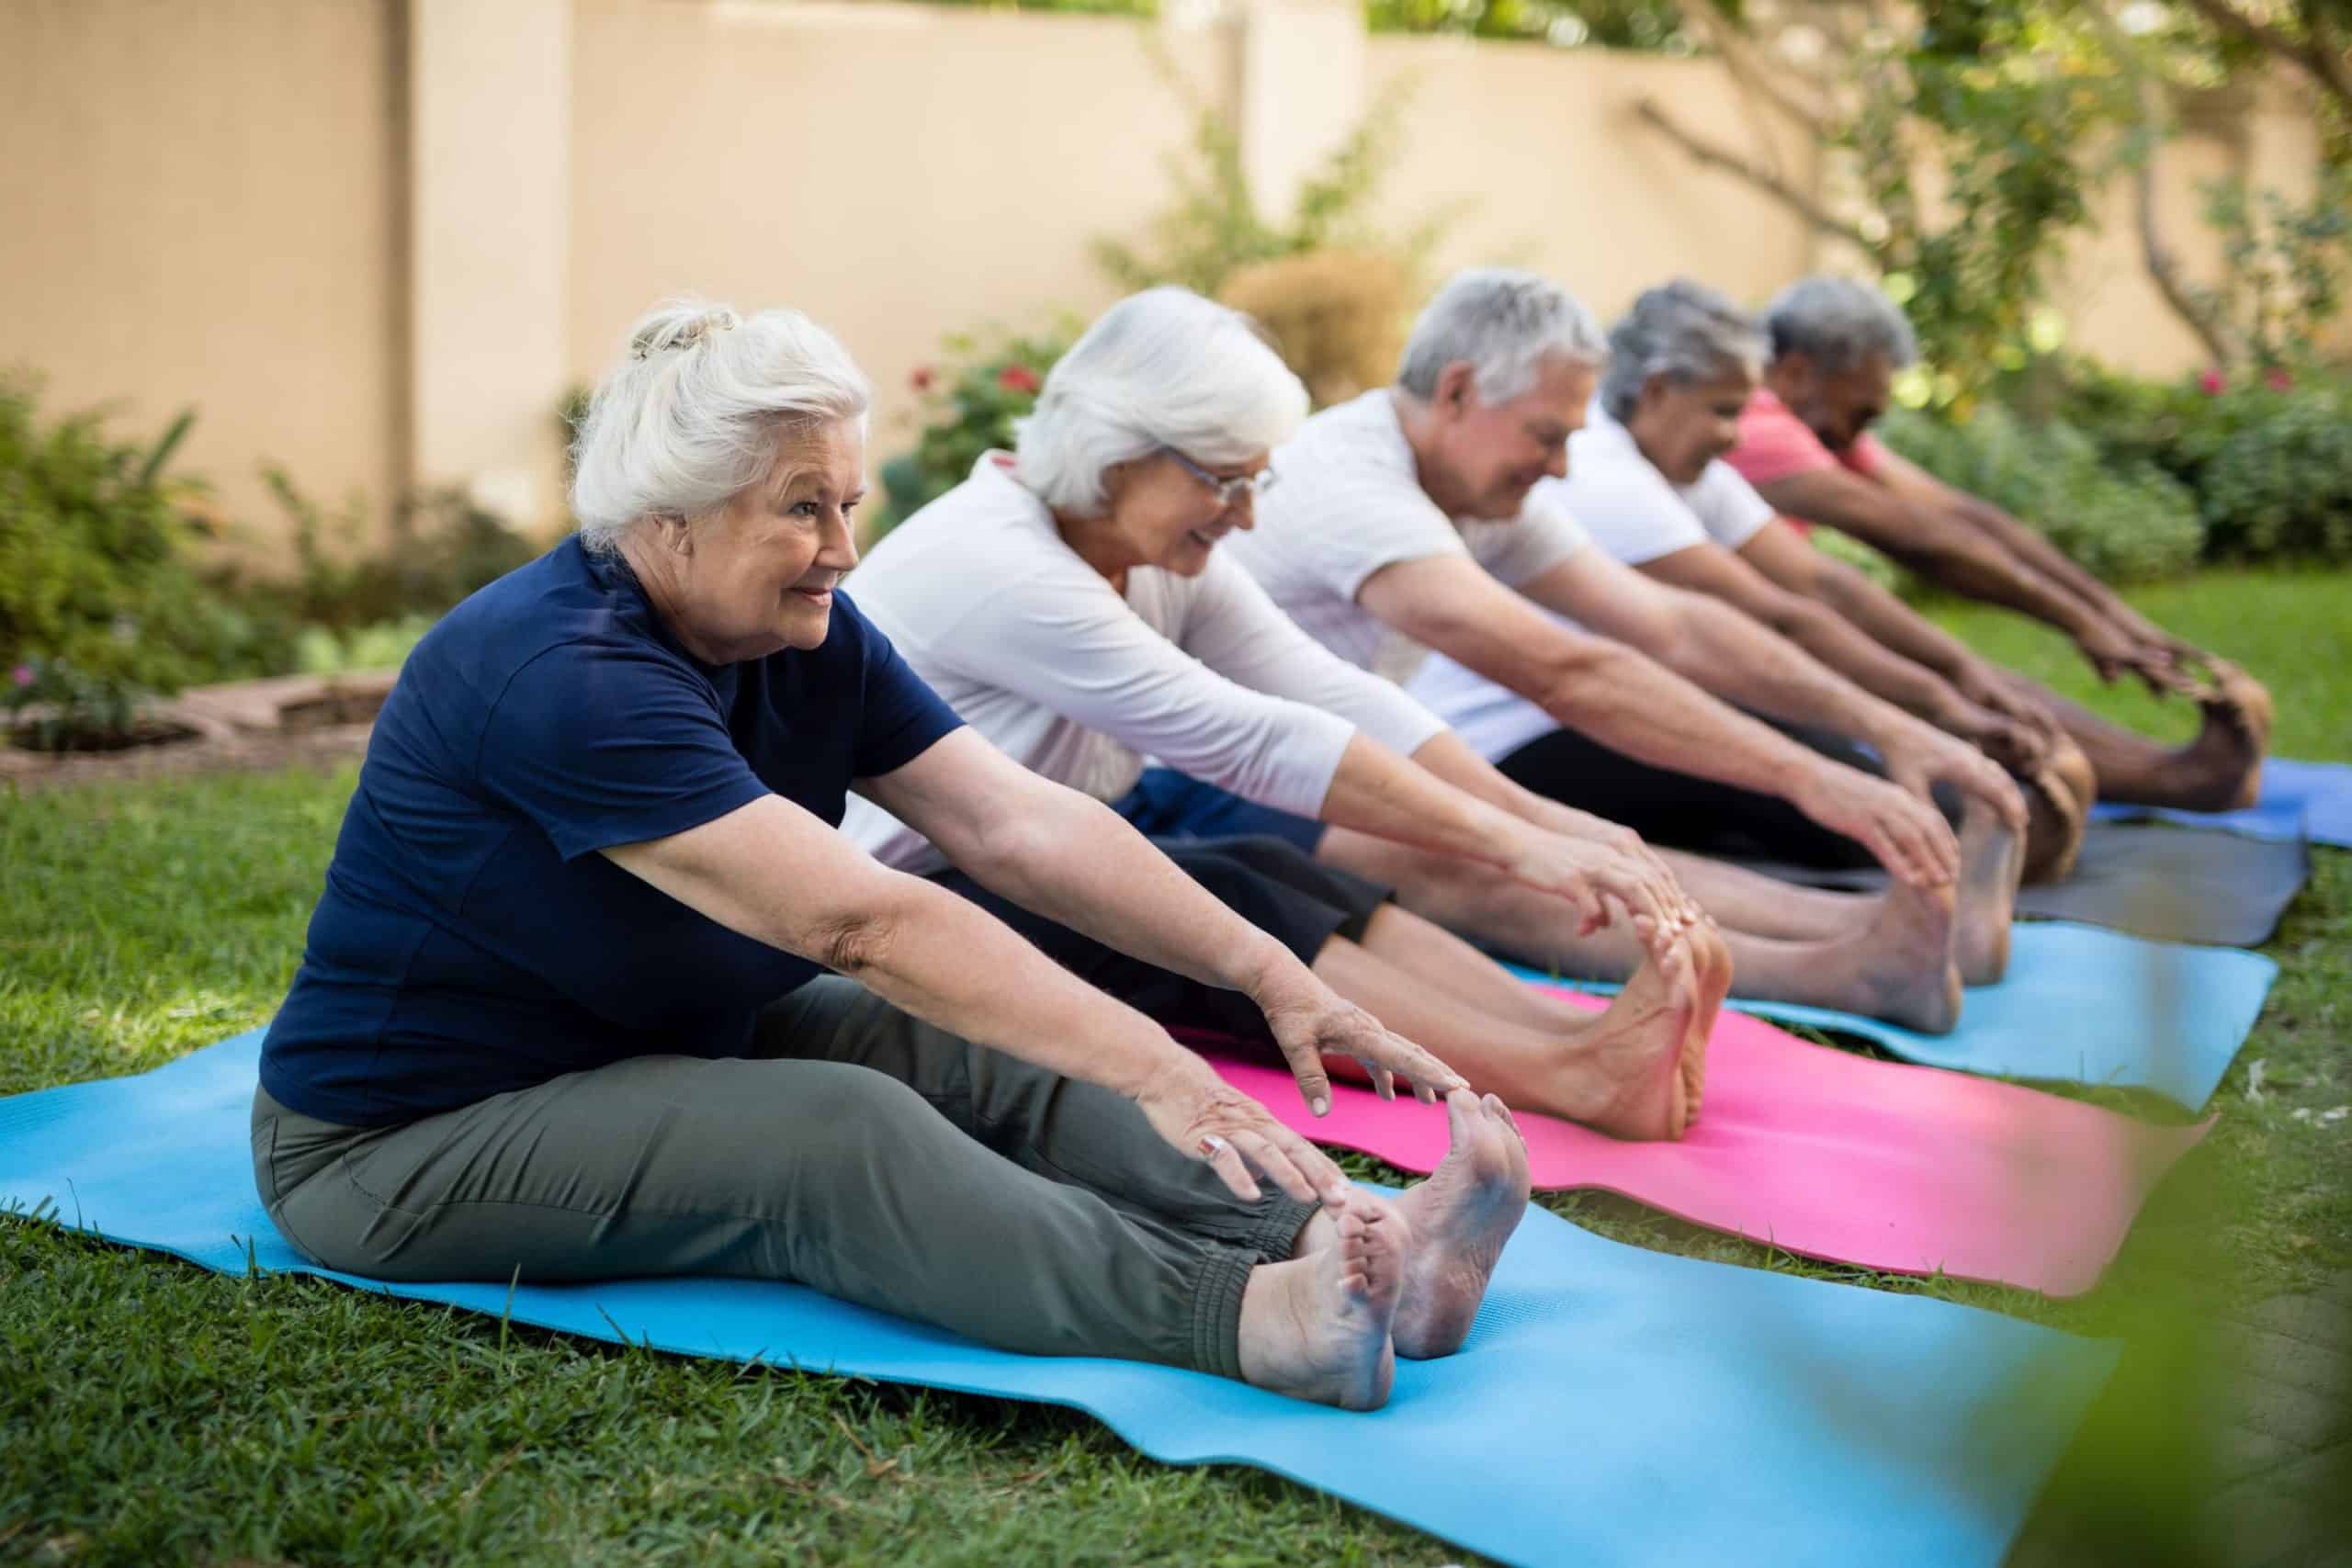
(1041,655)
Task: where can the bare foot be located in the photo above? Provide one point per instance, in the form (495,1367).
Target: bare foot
(1991,859)
(1461,1217)
(1904,958)
(1711,965)
(2222,769)
(1316,1327)
(2058,802)
(1624,1073)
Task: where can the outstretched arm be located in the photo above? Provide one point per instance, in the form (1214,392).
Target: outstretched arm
(1742,661)
(1953,552)
(1779,552)
(1722,574)
(1628,701)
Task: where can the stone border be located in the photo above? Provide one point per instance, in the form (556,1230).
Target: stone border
(243,726)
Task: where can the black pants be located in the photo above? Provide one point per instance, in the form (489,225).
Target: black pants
(1686,812)
(1266,880)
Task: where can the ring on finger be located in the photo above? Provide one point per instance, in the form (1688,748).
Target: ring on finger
(1211,1145)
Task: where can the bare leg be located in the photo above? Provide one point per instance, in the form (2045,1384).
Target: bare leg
(1893,960)
(1437,957)
(2213,772)
(1991,860)
(1461,1217)
(1316,1327)
(1620,1072)
(1738,899)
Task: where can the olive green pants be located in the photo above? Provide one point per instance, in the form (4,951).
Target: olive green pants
(860,1151)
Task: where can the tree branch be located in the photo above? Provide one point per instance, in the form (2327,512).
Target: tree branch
(2313,54)
(1709,156)
(2164,268)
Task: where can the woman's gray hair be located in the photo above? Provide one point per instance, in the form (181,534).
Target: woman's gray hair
(696,410)
(1837,323)
(1163,368)
(1683,331)
(1504,321)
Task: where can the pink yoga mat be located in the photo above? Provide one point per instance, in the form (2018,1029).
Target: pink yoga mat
(1913,1170)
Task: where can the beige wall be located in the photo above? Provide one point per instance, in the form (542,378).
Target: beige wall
(1541,152)
(898,172)
(197,206)
(373,239)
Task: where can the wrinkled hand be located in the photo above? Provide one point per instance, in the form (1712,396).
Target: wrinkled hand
(1921,757)
(1584,826)
(1600,882)
(1203,1117)
(1908,836)
(1309,1022)
(1980,684)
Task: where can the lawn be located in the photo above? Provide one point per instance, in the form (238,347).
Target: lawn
(155,1412)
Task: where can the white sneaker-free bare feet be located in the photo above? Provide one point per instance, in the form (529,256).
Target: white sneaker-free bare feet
(1317,1327)
(1461,1217)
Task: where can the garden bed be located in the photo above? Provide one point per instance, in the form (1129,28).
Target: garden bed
(277,722)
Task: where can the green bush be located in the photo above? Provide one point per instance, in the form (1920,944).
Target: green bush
(970,402)
(2124,521)
(95,586)
(2283,485)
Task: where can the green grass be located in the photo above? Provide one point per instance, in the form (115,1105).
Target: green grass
(151,1411)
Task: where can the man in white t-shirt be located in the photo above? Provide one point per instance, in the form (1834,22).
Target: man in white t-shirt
(1385,526)
(1647,480)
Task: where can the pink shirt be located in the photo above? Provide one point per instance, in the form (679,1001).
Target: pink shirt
(1776,444)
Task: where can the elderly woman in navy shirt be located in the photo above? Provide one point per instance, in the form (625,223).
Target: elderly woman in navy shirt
(564,1009)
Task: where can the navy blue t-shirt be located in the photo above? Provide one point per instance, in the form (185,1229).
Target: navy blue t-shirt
(470,938)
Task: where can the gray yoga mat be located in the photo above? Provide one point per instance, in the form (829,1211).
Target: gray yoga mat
(2164,883)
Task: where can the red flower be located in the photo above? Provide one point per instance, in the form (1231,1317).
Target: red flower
(2277,380)
(1017,379)
(922,378)
(2211,381)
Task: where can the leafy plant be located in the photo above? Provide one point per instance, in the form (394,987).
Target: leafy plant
(2284,485)
(969,404)
(2123,523)
(1338,318)
(2285,265)
(96,591)
(1214,228)
(52,706)
(441,546)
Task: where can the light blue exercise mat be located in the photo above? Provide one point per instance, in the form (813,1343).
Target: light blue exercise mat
(1612,1407)
(2081,1005)
(2310,800)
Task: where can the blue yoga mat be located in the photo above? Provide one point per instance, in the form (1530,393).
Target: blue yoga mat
(2309,800)
(1612,1407)
(2081,1005)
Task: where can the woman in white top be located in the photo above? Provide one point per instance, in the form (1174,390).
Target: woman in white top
(1069,601)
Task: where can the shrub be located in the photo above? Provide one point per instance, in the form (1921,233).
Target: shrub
(2283,485)
(95,588)
(2123,521)
(968,409)
(1338,318)
(441,546)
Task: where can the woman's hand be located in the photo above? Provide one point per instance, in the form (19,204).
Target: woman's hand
(1202,1115)
(1602,881)
(1584,826)
(1309,1022)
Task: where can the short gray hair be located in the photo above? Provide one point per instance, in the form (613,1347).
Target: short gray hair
(695,411)
(1504,321)
(1683,331)
(1163,368)
(1837,323)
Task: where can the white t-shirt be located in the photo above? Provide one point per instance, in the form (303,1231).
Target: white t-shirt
(1632,512)
(1635,514)
(1041,655)
(1347,500)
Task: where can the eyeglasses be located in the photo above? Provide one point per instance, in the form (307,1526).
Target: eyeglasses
(1229,491)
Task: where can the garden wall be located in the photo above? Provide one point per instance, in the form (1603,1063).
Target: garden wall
(255,206)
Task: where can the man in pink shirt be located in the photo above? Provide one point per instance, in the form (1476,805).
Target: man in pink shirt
(1805,444)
